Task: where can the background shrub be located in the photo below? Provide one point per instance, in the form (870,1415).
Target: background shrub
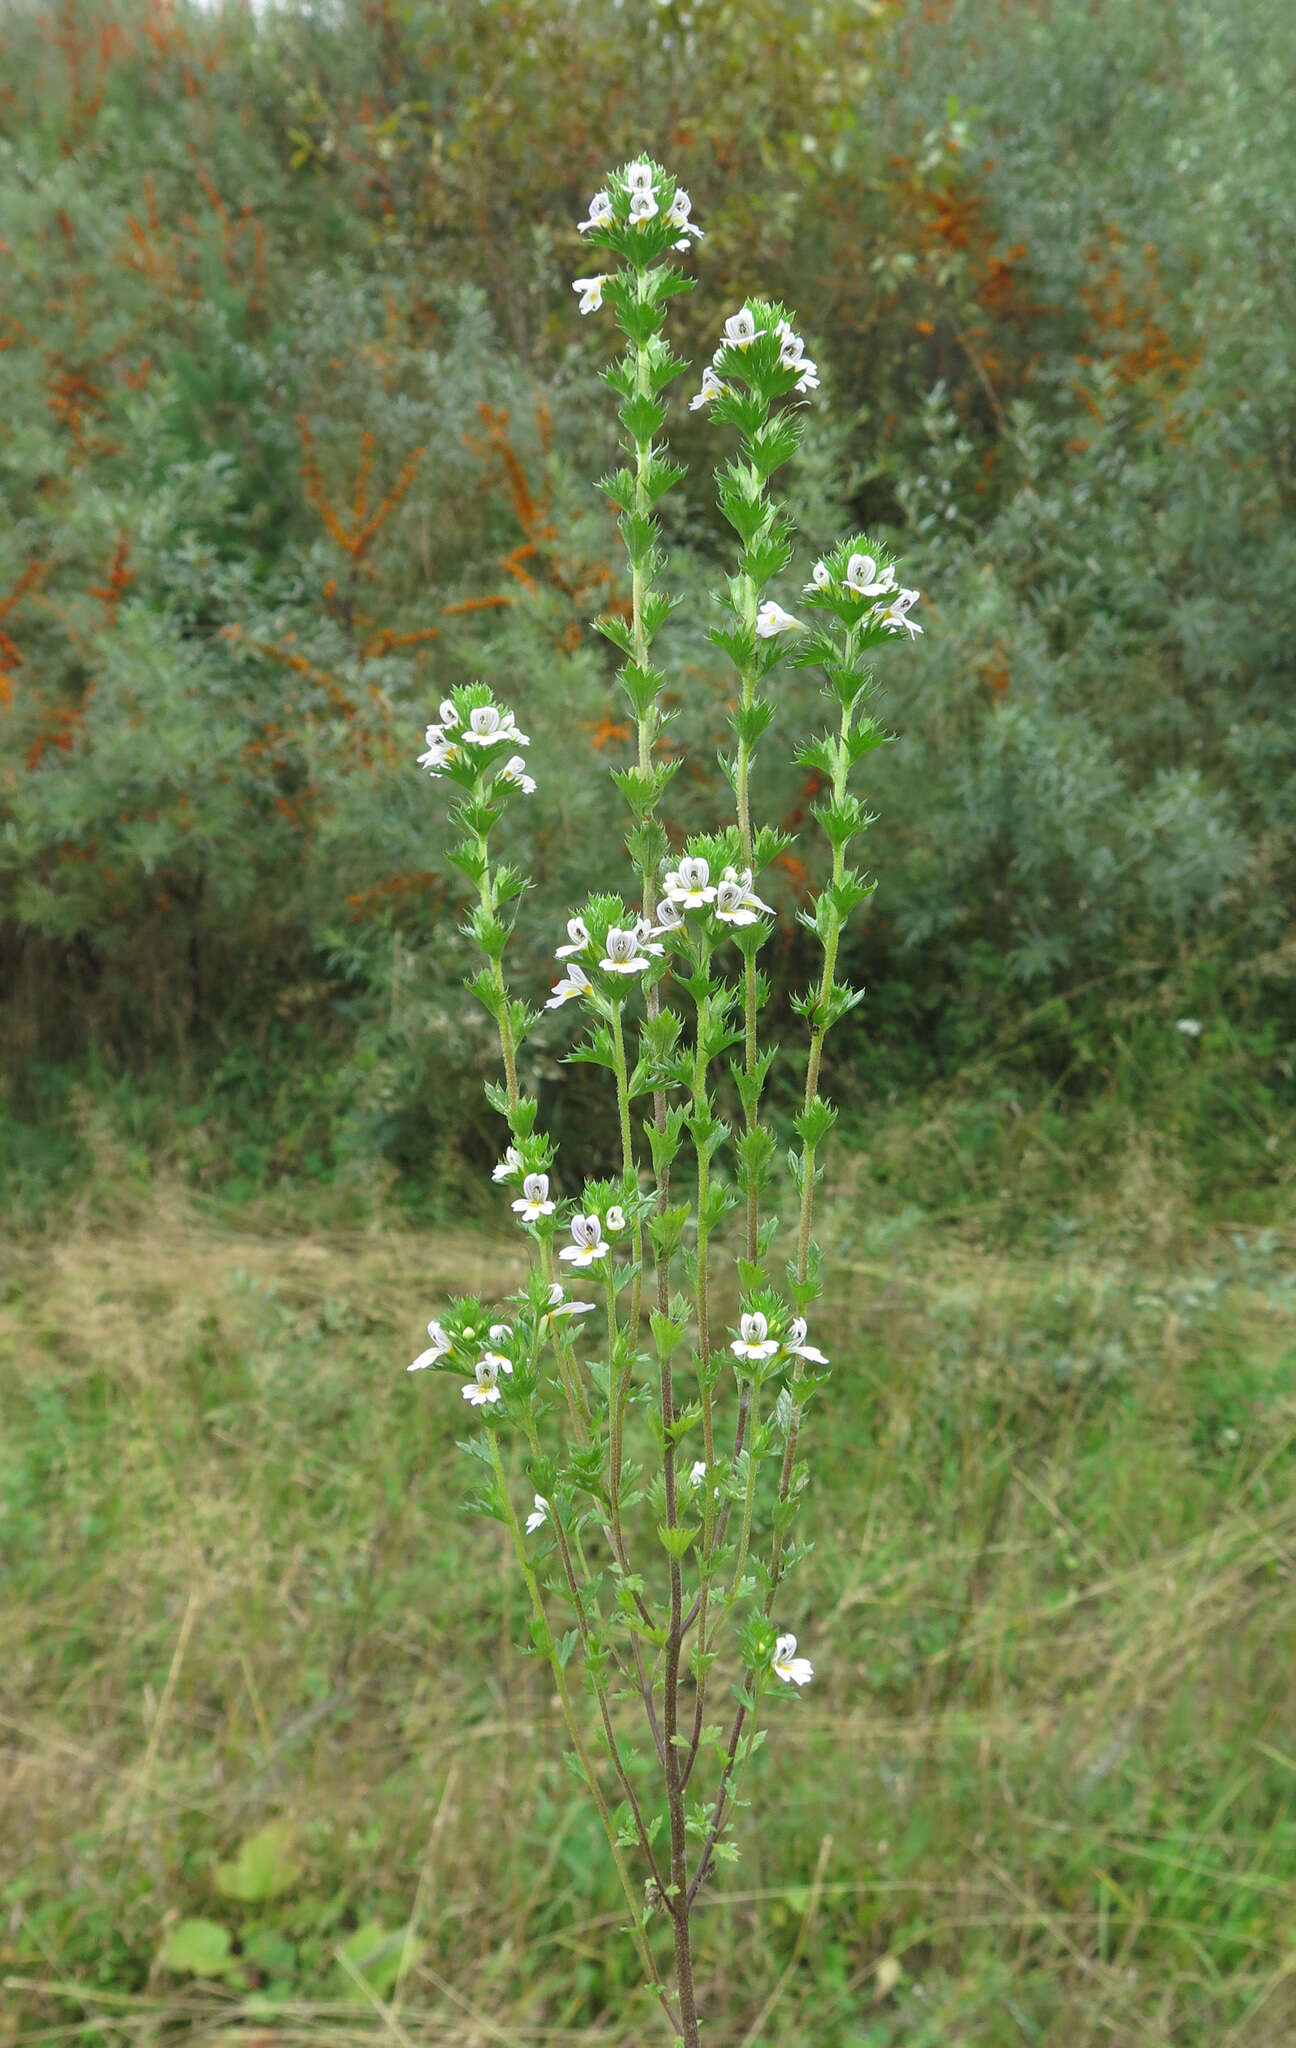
(301,427)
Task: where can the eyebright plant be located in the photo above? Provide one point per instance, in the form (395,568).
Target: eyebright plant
(656,1426)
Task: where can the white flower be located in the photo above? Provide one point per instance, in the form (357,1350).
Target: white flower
(436,1350)
(809,378)
(820,579)
(670,917)
(447,713)
(740,330)
(539,1515)
(681,207)
(441,752)
(697,1472)
(588,1242)
(534,1200)
(647,937)
(643,206)
(499,1333)
(755,1340)
(1191,1027)
(690,885)
(483,1388)
(514,771)
(750,900)
(591,291)
(600,214)
(896,615)
(615,1219)
(623,955)
(731,906)
(791,346)
(488,726)
(795,1343)
(771,619)
(560,1306)
(574,983)
(793,1670)
(639,175)
(510,1165)
(578,937)
(865,578)
(711,388)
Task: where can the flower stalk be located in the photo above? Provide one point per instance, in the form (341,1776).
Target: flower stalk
(600,1432)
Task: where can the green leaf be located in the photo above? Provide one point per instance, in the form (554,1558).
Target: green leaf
(263,1868)
(379,1955)
(201,1948)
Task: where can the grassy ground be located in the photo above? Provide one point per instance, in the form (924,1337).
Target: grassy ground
(1043,1789)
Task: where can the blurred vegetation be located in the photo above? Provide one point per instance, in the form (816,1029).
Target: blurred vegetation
(301,424)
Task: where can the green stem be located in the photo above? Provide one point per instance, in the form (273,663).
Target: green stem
(600,1693)
(749,959)
(486,894)
(573,1729)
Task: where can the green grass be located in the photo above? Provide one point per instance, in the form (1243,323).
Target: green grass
(1043,1789)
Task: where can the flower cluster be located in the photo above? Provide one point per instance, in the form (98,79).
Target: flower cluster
(756,1343)
(622,949)
(588,1242)
(689,887)
(848,582)
(482,1389)
(459,734)
(633,198)
(738,356)
(465,1342)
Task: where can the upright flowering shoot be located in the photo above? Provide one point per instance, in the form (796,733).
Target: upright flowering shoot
(638,1405)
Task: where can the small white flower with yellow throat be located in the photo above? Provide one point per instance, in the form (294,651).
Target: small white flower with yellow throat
(574,983)
(600,214)
(588,1243)
(795,1343)
(772,619)
(711,388)
(866,579)
(754,1340)
(534,1202)
(591,292)
(488,725)
(740,330)
(623,955)
(690,885)
(539,1515)
(483,1388)
(785,1664)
